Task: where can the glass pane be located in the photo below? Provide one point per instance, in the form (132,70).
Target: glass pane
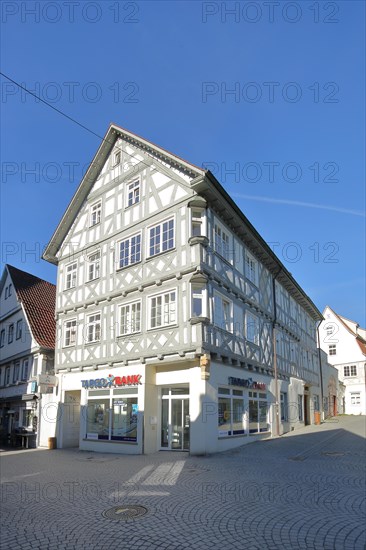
(253,416)
(177,422)
(97,424)
(263,427)
(186,424)
(224,416)
(180,391)
(124,419)
(238,416)
(164,422)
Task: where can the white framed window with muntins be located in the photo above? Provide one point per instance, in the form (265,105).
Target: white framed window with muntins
(161,237)
(223,312)
(95,213)
(162,309)
(129,251)
(130,318)
(70,333)
(252,328)
(93,266)
(71,275)
(251,268)
(93,332)
(222,242)
(133,192)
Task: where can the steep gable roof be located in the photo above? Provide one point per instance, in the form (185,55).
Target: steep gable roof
(39,299)
(359,339)
(203,183)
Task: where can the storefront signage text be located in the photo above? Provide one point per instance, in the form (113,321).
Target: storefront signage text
(112,381)
(246,383)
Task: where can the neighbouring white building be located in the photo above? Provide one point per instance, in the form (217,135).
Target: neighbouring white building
(179,327)
(345,344)
(27,345)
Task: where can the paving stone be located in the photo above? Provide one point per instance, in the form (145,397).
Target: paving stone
(257,497)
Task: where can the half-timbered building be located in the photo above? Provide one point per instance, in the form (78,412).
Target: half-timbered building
(179,328)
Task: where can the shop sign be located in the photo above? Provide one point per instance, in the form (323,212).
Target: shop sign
(249,383)
(47,380)
(112,381)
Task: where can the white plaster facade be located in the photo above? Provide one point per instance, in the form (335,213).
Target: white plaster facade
(22,360)
(161,277)
(344,342)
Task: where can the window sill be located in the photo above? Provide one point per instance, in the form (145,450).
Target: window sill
(92,280)
(94,225)
(132,205)
(162,327)
(118,269)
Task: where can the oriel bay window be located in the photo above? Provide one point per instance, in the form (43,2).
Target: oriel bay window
(112,415)
(198,296)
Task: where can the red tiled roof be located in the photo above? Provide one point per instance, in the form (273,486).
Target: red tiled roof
(39,300)
(362,345)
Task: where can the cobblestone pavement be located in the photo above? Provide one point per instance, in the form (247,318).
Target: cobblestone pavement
(304,490)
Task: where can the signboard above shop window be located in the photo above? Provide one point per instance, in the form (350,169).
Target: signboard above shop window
(246,383)
(112,381)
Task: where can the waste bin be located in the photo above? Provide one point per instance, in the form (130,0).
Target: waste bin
(317,418)
(52,443)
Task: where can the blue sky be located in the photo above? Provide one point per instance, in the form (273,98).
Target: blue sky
(268,95)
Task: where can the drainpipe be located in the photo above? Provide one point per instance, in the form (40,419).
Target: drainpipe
(275,352)
(321,371)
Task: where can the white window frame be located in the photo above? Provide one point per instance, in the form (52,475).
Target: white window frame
(133,317)
(16,371)
(252,321)
(93,266)
(11,333)
(133,193)
(222,240)
(355,398)
(2,338)
(251,268)
(71,271)
(117,157)
(93,328)
(198,222)
(168,314)
(70,333)
(332,349)
(131,246)
(199,292)
(25,369)
(95,213)
(7,376)
(223,312)
(284,406)
(160,246)
(19,329)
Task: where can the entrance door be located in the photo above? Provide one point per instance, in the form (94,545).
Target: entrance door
(174,420)
(71,419)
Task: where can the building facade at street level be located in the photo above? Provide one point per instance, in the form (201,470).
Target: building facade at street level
(180,328)
(333,389)
(345,343)
(27,346)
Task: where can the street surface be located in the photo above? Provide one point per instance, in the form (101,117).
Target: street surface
(305,490)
